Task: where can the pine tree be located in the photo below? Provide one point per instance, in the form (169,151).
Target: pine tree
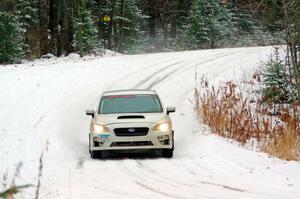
(131,21)
(11,40)
(27,15)
(208,24)
(276,85)
(85,31)
(243,22)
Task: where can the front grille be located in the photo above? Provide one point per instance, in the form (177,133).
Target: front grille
(137,143)
(135,131)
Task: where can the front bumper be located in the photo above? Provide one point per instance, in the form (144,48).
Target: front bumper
(110,141)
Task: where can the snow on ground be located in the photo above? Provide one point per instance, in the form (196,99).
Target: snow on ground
(45,101)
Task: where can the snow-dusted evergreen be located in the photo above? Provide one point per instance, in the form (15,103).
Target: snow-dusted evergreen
(132,35)
(11,38)
(27,13)
(209,23)
(276,85)
(86,32)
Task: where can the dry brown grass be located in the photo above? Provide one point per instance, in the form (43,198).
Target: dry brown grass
(11,189)
(230,115)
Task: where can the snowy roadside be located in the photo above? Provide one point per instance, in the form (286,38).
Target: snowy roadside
(235,109)
(50,59)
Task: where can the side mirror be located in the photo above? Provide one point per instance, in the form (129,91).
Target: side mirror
(90,112)
(170,110)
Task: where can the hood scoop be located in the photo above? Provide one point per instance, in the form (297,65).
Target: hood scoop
(131,117)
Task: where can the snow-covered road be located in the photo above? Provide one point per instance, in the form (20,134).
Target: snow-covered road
(46,101)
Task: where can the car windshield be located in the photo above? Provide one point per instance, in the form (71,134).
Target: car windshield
(130,104)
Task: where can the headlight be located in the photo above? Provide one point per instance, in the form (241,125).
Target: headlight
(95,128)
(166,126)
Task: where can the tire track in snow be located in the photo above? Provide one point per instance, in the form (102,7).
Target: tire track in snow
(143,180)
(149,188)
(143,81)
(159,80)
(147,182)
(177,69)
(142,70)
(163,78)
(146,177)
(223,186)
(185,69)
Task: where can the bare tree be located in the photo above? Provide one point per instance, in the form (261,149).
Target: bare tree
(291,10)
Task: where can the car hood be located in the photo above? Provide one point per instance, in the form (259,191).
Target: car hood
(107,119)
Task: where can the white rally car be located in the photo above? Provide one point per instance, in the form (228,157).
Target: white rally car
(130,120)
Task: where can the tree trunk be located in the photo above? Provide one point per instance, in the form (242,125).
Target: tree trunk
(53,22)
(43,27)
(152,19)
(121,33)
(102,26)
(175,18)
(71,28)
(165,31)
(111,25)
(165,24)
(7,5)
(67,27)
(173,30)
(59,28)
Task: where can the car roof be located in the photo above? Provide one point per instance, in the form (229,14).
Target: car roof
(130,92)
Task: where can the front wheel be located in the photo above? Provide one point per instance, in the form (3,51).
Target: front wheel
(99,154)
(167,153)
(96,154)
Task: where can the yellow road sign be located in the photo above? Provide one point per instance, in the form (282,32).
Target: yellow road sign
(106,18)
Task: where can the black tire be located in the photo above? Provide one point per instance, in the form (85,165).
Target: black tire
(90,152)
(167,153)
(96,154)
(99,154)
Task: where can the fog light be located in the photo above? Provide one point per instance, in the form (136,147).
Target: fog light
(98,144)
(163,137)
(96,139)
